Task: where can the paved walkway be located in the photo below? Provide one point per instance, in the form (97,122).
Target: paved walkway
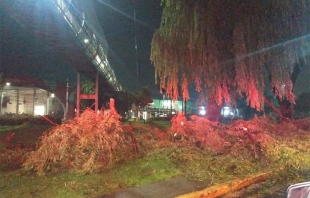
(183,188)
(163,189)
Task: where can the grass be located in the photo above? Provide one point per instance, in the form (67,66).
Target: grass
(161,124)
(33,132)
(168,160)
(124,174)
(8,128)
(157,165)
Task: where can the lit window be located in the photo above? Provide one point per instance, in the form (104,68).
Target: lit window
(39,110)
(98,59)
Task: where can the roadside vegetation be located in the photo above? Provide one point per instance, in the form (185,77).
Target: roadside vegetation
(96,154)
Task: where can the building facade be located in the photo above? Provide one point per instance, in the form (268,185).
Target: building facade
(29,100)
(161,108)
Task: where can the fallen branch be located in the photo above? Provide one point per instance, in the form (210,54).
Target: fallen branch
(275,109)
(225,188)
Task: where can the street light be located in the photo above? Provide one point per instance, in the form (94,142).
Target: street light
(2,93)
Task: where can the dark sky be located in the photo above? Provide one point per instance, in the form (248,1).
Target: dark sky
(120,28)
(22,53)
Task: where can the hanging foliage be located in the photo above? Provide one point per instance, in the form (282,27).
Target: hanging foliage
(231,45)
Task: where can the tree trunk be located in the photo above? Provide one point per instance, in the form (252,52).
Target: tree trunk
(214,111)
(279,112)
(285,108)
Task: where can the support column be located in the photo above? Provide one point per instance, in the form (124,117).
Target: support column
(78,92)
(97,92)
(34,99)
(47,109)
(1,102)
(17,101)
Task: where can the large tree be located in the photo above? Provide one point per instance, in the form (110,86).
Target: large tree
(124,100)
(143,97)
(227,48)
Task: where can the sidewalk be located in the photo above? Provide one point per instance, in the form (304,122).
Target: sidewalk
(182,188)
(162,189)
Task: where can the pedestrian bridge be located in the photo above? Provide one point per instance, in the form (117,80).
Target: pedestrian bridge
(71,29)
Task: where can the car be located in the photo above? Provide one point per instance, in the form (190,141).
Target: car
(300,190)
(162,115)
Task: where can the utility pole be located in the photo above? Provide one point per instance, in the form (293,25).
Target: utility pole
(136,45)
(67,98)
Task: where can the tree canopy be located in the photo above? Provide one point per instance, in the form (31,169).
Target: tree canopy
(143,97)
(227,48)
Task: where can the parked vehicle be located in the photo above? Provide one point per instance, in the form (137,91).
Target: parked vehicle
(299,190)
(162,115)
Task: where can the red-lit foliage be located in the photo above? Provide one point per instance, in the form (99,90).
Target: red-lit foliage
(8,139)
(251,135)
(12,159)
(88,143)
(227,49)
(252,138)
(95,141)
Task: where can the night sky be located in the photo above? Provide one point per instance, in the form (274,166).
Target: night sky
(116,17)
(21,53)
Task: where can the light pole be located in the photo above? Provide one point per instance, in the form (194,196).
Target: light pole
(67,98)
(1,102)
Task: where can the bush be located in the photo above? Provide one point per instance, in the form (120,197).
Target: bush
(18,119)
(13,119)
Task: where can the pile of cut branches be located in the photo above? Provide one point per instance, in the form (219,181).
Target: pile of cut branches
(258,139)
(223,138)
(89,143)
